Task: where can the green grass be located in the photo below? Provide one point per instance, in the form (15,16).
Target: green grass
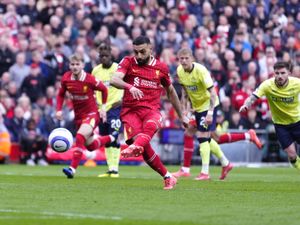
(42,196)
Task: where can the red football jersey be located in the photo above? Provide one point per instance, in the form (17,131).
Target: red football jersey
(148,78)
(82,93)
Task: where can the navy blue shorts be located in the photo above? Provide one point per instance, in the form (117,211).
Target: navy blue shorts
(288,134)
(113,122)
(200,119)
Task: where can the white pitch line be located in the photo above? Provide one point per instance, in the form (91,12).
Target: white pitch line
(64,214)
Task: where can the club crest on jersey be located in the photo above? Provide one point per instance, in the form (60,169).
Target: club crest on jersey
(157,73)
(129,130)
(85,88)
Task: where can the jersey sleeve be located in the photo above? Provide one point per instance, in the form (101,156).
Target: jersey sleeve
(165,79)
(124,65)
(61,95)
(178,73)
(99,86)
(207,80)
(261,90)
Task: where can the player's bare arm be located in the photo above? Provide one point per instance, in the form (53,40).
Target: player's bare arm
(60,101)
(173,97)
(118,82)
(104,92)
(248,102)
(212,101)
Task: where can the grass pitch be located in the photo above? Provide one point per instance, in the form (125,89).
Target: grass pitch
(42,196)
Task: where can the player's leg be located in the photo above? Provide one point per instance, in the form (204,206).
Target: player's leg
(234,137)
(83,133)
(203,136)
(288,142)
(292,155)
(133,125)
(188,150)
(114,147)
(112,150)
(153,160)
(151,122)
(203,139)
(226,165)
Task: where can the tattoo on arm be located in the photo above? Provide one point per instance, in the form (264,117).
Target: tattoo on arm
(250,100)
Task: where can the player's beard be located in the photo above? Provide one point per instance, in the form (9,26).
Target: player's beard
(142,62)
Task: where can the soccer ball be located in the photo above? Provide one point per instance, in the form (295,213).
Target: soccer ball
(60,139)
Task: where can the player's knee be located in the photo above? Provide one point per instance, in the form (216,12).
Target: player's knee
(151,126)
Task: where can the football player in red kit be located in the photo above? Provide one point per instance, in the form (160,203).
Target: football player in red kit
(81,86)
(143,77)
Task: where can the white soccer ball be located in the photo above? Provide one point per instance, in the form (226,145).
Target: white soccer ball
(60,139)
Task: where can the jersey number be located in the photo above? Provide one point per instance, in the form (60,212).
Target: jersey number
(115,124)
(202,122)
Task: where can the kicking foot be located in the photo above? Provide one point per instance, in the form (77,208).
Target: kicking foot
(132,151)
(254,138)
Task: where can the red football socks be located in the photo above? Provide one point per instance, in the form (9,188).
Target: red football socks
(153,160)
(231,137)
(99,142)
(77,154)
(188,150)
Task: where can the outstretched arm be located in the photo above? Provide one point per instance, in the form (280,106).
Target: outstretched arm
(248,102)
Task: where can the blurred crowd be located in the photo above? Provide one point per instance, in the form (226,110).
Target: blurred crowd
(237,40)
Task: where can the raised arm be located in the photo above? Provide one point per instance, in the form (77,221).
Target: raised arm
(248,102)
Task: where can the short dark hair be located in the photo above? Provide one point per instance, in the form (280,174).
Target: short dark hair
(282,64)
(141,40)
(104,46)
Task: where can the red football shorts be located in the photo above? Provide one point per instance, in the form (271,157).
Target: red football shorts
(134,120)
(92,119)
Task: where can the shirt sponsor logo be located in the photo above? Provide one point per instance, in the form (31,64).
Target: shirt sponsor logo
(144,83)
(192,88)
(79,97)
(282,99)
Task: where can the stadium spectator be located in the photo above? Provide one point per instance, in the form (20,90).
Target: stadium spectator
(5,141)
(33,145)
(19,70)
(141,76)
(16,124)
(33,85)
(7,57)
